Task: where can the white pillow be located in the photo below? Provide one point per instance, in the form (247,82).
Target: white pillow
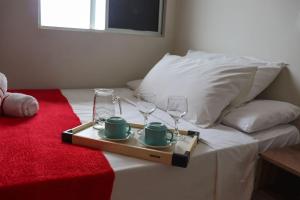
(261,114)
(265,75)
(133,85)
(209,88)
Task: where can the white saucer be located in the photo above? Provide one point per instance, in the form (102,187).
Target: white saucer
(141,139)
(102,135)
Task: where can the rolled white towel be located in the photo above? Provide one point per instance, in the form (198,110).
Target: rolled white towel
(19,105)
(3,86)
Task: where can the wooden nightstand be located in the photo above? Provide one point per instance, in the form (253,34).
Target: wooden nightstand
(280,174)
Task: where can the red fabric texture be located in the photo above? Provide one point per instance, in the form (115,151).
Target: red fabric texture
(35,164)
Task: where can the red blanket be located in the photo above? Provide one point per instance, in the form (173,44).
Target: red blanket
(35,164)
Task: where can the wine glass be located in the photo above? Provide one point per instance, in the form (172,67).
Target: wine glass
(145,105)
(177,108)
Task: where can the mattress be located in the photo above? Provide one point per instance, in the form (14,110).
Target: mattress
(220,168)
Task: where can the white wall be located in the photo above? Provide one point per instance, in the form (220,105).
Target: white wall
(36,58)
(268,29)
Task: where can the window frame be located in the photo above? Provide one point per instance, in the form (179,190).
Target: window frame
(159,33)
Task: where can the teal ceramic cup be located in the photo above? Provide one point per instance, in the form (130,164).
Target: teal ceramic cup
(116,128)
(157,134)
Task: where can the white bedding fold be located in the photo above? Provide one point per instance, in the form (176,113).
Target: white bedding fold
(3,86)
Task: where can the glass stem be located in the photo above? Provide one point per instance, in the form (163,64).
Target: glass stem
(145,120)
(176,126)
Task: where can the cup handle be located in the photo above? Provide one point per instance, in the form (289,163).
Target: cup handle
(172,136)
(129,129)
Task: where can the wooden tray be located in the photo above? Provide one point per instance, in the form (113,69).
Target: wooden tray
(176,155)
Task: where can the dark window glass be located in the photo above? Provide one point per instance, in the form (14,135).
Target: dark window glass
(141,15)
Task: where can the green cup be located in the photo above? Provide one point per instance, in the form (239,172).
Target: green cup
(157,134)
(116,128)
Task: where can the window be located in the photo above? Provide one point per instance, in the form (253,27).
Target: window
(131,16)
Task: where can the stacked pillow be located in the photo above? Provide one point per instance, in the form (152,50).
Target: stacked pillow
(133,85)
(256,115)
(265,75)
(213,84)
(259,115)
(209,87)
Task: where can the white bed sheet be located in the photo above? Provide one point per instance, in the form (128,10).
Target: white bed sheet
(278,136)
(223,169)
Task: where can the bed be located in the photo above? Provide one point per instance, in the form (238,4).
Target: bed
(222,167)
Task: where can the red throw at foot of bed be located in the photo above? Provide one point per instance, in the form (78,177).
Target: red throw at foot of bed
(35,164)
